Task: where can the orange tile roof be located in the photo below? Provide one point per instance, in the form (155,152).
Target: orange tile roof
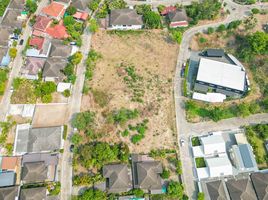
(58,31)
(81,15)
(37,42)
(42,23)
(54,9)
(9,163)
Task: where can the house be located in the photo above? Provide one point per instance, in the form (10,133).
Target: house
(83,16)
(9,193)
(4,57)
(213,144)
(17,4)
(42,23)
(222,77)
(34,172)
(39,47)
(58,49)
(125,19)
(178,18)
(118,178)
(5,35)
(7,178)
(58,31)
(215,190)
(53,69)
(260,184)
(33,193)
(33,66)
(241,189)
(37,140)
(243,158)
(81,5)
(168,9)
(13,19)
(146,174)
(219,166)
(54,10)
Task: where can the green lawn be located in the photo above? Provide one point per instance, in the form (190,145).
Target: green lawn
(195,141)
(200,162)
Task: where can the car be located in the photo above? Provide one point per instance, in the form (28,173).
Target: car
(11,89)
(71,148)
(182,142)
(72,43)
(21,41)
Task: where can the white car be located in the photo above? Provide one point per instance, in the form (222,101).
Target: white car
(182,142)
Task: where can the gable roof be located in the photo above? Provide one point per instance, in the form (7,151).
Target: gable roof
(33,66)
(118,178)
(37,42)
(58,49)
(42,23)
(81,15)
(81,4)
(241,189)
(125,17)
(54,9)
(11,19)
(260,183)
(34,172)
(9,163)
(33,193)
(17,4)
(58,31)
(4,36)
(7,178)
(47,158)
(216,190)
(168,9)
(9,193)
(53,67)
(177,15)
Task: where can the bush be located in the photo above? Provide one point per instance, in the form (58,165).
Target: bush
(255,11)
(92,194)
(138,193)
(165,174)
(83,120)
(152,20)
(71,10)
(175,190)
(3,6)
(65,131)
(76,138)
(201,196)
(31,6)
(100,97)
(200,162)
(221,28)
(93,26)
(87,180)
(12,52)
(122,115)
(177,36)
(66,93)
(46,98)
(210,30)
(202,40)
(136,138)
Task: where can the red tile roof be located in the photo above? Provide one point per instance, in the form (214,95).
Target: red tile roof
(42,23)
(54,10)
(37,42)
(58,31)
(168,9)
(9,163)
(81,15)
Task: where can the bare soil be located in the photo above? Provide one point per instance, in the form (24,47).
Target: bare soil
(153,55)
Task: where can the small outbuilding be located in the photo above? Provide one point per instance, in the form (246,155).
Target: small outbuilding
(178,18)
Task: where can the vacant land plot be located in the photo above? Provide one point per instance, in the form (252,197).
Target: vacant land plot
(50,115)
(135,72)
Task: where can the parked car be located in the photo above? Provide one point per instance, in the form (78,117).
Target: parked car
(72,148)
(182,142)
(182,73)
(72,43)
(21,42)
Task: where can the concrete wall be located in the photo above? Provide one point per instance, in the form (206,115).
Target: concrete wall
(122,27)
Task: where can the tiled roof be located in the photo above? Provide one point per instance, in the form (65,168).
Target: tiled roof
(42,23)
(81,15)
(57,32)
(54,9)
(9,163)
(168,9)
(37,42)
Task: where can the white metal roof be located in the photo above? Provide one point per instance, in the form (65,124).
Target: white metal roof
(222,161)
(63,86)
(212,139)
(209,97)
(221,74)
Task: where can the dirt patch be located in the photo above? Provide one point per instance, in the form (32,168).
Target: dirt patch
(50,115)
(152,57)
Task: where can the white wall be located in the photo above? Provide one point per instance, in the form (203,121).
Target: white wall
(121,27)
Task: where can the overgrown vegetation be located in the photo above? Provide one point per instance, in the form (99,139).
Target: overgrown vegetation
(106,7)
(74,28)
(122,115)
(3,6)
(87,180)
(195,141)
(3,79)
(200,162)
(5,129)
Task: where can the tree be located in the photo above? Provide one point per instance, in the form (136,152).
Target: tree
(234,24)
(177,36)
(93,26)
(258,42)
(93,5)
(76,138)
(201,196)
(175,190)
(221,28)
(116,4)
(71,10)
(138,193)
(83,120)
(31,6)
(152,20)
(142,9)
(46,98)
(66,93)
(165,174)
(48,87)
(92,194)
(255,11)
(12,52)
(243,109)
(160,8)
(76,58)
(210,30)
(68,20)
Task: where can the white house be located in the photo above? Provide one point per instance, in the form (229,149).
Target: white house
(213,144)
(219,166)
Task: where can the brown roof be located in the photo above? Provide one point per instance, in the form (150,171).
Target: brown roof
(10,19)
(216,190)
(33,65)
(58,49)
(81,4)
(9,193)
(34,172)
(178,15)
(53,68)
(42,23)
(33,193)
(125,17)
(10,163)
(4,36)
(260,183)
(17,4)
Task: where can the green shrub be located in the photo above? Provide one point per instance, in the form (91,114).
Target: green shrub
(175,190)
(46,98)
(210,30)
(100,97)
(201,196)
(138,193)
(83,120)
(255,11)
(177,36)
(66,93)
(200,162)
(65,132)
(202,40)
(76,138)
(165,174)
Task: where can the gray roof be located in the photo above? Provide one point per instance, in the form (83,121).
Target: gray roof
(47,158)
(33,193)
(260,183)
(81,4)
(63,1)
(125,17)
(178,15)
(216,190)
(10,19)
(33,65)
(34,172)
(53,68)
(58,49)
(4,36)
(3,52)
(147,175)
(247,156)
(17,4)
(38,139)
(215,52)
(7,178)
(118,177)
(241,189)
(221,74)
(9,193)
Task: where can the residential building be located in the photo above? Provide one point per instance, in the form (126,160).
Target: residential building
(54,10)
(42,23)
(9,193)
(4,57)
(219,166)
(81,5)
(33,193)
(66,3)
(260,184)
(213,144)
(216,190)
(178,18)
(118,178)
(33,66)
(7,178)
(58,31)
(37,140)
(23,110)
(53,69)
(40,47)
(146,174)
(82,16)
(168,9)
(241,189)
(34,172)
(5,36)
(13,19)
(221,77)
(17,4)
(125,19)
(58,49)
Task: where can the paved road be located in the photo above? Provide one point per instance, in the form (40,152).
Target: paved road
(186,129)
(16,66)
